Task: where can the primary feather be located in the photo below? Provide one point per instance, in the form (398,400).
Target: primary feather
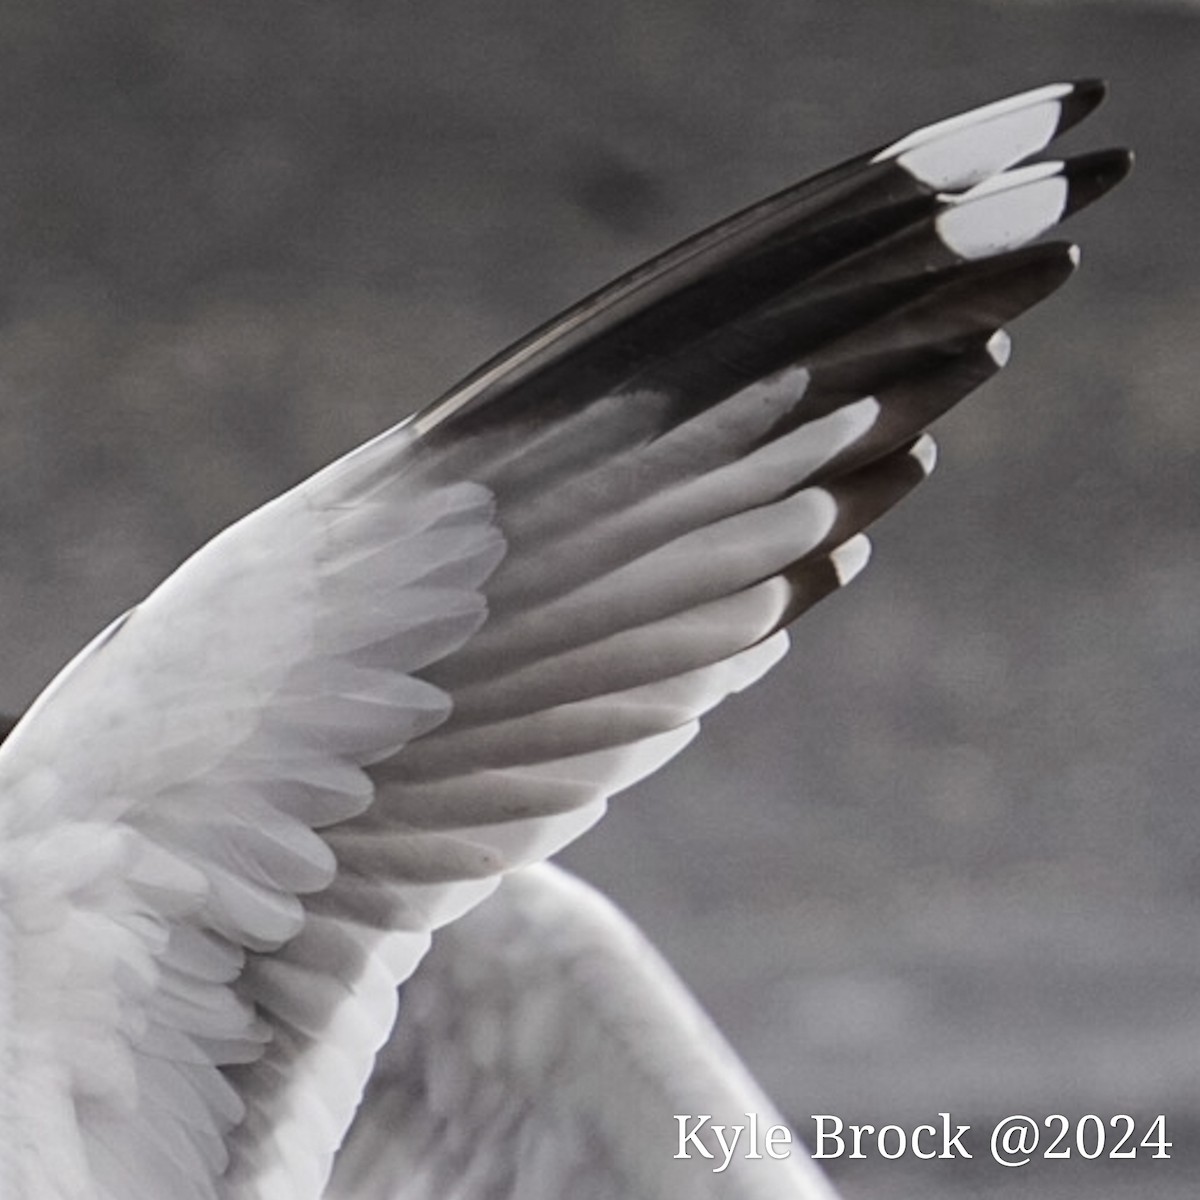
(232,822)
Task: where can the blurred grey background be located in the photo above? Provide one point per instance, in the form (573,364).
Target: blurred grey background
(946,857)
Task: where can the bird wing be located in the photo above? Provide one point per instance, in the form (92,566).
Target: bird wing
(232,821)
(544,1048)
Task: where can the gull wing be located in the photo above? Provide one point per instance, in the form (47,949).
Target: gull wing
(232,821)
(543,1048)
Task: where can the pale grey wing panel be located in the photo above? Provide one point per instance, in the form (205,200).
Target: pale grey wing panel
(544,1050)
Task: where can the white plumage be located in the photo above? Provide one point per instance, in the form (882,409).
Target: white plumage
(231,824)
(543,1048)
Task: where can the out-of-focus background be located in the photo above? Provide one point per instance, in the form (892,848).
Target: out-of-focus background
(946,858)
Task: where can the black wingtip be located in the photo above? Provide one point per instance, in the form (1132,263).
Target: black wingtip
(865,494)
(1085,96)
(1092,175)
